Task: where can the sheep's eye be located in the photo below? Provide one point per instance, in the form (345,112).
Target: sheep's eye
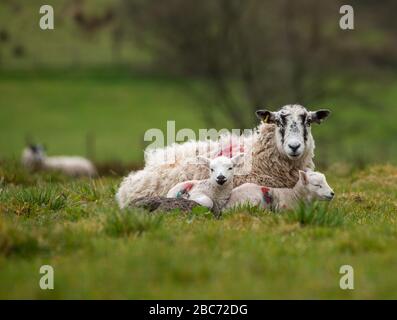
(212,170)
(318,186)
(230,168)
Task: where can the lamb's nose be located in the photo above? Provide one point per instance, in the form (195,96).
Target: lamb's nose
(332,193)
(221,179)
(294,147)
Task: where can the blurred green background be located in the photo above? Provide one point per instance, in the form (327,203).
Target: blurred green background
(113,69)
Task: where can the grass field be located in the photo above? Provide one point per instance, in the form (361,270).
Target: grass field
(98,252)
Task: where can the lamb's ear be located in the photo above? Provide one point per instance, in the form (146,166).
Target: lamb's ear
(303,177)
(266,116)
(237,158)
(203,160)
(319,115)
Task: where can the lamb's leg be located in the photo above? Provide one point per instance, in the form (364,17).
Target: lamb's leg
(156,181)
(175,191)
(203,200)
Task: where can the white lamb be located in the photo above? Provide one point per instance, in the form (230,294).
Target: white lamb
(213,192)
(34,158)
(311,186)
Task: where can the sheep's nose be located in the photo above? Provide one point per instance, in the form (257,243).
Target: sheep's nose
(332,194)
(294,146)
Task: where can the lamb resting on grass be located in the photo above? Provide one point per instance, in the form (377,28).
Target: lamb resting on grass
(34,158)
(311,186)
(279,147)
(213,192)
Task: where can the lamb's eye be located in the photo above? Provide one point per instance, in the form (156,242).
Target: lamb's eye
(212,170)
(230,169)
(318,186)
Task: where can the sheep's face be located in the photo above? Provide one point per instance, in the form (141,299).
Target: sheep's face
(316,185)
(222,168)
(293,132)
(33,156)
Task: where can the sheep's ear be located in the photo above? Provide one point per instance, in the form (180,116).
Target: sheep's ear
(237,158)
(303,177)
(266,116)
(203,160)
(319,115)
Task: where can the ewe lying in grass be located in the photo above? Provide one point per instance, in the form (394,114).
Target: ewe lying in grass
(213,192)
(279,147)
(311,186)
(34,158)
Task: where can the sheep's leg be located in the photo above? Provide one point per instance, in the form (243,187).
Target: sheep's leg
(203,200)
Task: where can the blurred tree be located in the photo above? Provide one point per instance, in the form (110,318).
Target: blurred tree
(267,52)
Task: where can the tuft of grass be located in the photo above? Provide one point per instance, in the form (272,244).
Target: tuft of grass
(13,173)
(47,198)
(316,214)
(248,208)
(130,222)
(87,192)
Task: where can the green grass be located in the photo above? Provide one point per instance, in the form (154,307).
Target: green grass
(99,252)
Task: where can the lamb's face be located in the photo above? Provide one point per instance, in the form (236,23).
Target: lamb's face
(293,133)
(316,186)
(222,168)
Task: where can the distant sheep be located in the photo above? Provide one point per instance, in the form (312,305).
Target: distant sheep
(35,159)
(311,186)
(280,147)
(213,192)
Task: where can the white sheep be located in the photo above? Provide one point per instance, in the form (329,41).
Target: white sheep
(34,158)
(277,149)
(213,192)
(311,186)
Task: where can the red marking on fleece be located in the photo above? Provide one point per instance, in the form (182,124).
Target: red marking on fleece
(188,186)
(266,195)
(228,151)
